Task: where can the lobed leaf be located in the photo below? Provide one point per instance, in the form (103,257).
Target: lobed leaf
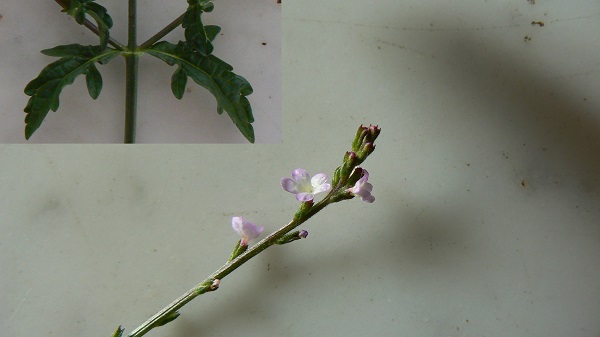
(198,36)
(229,89)
(46,88)
(79,8)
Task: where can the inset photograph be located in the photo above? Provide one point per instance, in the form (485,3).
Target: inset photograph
(191,71)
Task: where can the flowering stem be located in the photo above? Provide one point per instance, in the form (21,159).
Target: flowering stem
(344,176)
(226,269)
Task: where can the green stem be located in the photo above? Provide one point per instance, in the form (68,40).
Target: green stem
(226,269)
(163,32)
(131,75)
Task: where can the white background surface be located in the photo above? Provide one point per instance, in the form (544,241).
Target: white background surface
(26,28)
(487,218)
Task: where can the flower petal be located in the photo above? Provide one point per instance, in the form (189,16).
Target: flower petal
(289,185)
(300,175)
(368,198)
(245,229)
(253,231)
(305,197)
(367,187)
(318,179)
(319,183)
(237,222)
(322,188)
(362,193)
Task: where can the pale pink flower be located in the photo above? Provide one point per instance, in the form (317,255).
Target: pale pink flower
(246,230)
(305,187)
(363,188)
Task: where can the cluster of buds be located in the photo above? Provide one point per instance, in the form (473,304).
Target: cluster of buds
(364,142)
(362,146)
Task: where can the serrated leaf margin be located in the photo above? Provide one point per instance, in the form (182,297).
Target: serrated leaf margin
(46,88)
(238,107)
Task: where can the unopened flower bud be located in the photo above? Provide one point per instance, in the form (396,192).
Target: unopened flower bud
(336,176)
(374,131)
(356,174)
(361,133)
(293,236)
(350,157)
(365,151)
(215,284)
(350,161)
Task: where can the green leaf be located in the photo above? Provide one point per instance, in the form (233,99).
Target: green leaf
(93,80)
(79,16)
(212,32)
(178,82)
(198,36)
(45,89)
(79,8)
(119,332)
(216,76)
(71,50)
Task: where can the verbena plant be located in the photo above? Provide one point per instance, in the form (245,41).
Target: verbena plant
(193,58)
(349,181)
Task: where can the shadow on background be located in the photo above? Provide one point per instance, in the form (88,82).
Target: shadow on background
(560,152)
